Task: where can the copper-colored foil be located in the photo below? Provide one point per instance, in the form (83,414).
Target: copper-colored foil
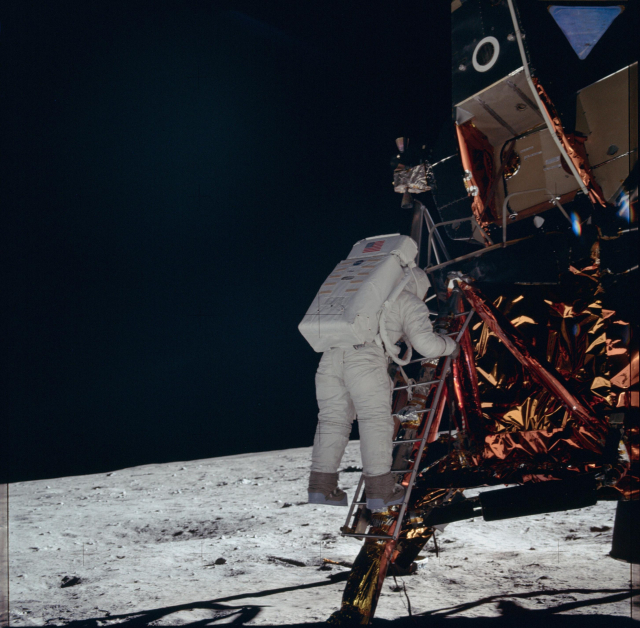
(471,372)
(366,578)
(629,486)
(560,445)
(528,403)
(544,375)
(423,500)
(476,154)
(626,377)
(465,380)
(525,419)
(461,397)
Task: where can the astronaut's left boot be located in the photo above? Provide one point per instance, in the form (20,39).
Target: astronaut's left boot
(382,491)
(323,490)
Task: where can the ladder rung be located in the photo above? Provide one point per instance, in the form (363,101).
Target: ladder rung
(458,315)
(400,416)
(409,440)
(368,536)
(423,359)
(431,383)
(356,505)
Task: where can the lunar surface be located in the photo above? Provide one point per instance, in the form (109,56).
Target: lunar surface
(231,540)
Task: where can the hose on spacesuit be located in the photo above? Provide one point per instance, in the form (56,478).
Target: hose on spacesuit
(392,350)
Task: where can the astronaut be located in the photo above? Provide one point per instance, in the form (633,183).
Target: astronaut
(354,381)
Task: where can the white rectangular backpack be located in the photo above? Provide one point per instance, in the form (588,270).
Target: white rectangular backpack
(346,309)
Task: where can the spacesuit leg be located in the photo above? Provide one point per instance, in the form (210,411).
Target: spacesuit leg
(367,379)
(335,416)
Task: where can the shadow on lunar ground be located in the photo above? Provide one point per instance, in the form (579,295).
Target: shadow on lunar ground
(511,613)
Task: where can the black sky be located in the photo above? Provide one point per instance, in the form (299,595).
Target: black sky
(177,180)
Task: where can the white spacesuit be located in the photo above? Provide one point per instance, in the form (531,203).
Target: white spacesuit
(354,381)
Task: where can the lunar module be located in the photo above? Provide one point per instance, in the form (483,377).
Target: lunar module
(525,215)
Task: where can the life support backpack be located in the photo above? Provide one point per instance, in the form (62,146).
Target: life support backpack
(350,305)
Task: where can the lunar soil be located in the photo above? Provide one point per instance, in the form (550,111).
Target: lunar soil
(232,540)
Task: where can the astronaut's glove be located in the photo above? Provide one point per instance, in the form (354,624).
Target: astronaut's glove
(456,352)
(409,413)
(442,324)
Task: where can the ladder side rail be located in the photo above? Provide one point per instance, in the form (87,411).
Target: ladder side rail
(433,231)
(436,402)
(431,383)
(413,470)
(457,339)
(359,492)
(357,497)
(380,537)
(416,464)
(416,412)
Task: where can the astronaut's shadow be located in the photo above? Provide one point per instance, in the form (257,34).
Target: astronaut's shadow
(214,612)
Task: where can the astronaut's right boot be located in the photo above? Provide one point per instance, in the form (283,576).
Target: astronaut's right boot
(382,491)
(323,490)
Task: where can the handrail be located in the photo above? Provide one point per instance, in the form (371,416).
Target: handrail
(432,230)
(552,199)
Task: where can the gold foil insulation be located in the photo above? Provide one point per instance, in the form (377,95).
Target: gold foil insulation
(532,370)
(559,445)
(550,374)
(534,386)
(361,587)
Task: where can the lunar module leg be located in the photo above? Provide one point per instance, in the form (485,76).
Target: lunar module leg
(396,535)
(581,457)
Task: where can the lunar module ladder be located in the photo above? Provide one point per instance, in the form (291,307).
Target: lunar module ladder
(359,502)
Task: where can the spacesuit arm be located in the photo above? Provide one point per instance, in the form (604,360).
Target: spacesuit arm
(417,327)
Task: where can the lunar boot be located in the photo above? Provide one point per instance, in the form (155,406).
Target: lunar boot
(382,491)
(323,489)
